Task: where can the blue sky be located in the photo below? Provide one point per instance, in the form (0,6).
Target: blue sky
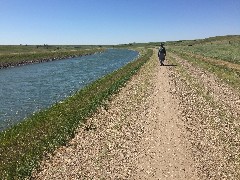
(115,21)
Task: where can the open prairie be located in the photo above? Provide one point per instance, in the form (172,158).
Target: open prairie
(178,121)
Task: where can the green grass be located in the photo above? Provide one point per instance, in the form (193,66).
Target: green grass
(228,75)
(227,52)
(23,145)
(13,55)
(9,49)
(233,39)
(220,49)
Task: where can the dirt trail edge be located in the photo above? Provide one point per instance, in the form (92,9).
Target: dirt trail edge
(138,134)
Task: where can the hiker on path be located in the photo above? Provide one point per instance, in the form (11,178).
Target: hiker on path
(161,54)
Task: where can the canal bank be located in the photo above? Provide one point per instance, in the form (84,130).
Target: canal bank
(26,143)
(20,59)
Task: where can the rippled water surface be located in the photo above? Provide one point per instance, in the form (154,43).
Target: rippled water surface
(27,89)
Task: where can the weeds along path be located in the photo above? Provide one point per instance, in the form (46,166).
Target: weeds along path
(138,134)
(107,146)
(210,110)
(214,61)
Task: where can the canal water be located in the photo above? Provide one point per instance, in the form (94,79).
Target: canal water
(28,89)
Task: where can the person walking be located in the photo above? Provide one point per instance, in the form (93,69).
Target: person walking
(161,54)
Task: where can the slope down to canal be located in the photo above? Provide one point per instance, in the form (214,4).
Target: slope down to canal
(149,130)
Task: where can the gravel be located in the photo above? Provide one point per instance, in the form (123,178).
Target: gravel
(210,110)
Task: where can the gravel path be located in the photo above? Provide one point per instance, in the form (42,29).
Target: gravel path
(159,126)
(167,152)
(210,111)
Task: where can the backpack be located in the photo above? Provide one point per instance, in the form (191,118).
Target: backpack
(162,50)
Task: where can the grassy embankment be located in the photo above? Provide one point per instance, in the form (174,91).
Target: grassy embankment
(23,145)
(212,122)
(17,55)
(219,55)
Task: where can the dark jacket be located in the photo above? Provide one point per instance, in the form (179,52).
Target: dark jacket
(162,52)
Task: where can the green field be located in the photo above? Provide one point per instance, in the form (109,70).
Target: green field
(14,55)
(219,55)
(224,48)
